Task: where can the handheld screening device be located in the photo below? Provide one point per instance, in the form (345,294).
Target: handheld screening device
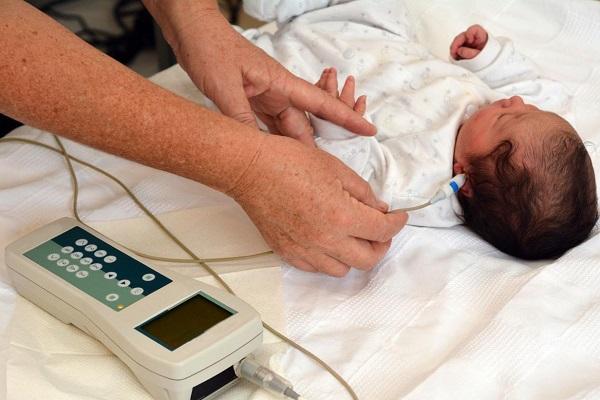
(181,338)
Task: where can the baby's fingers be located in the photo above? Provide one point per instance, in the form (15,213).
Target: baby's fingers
(477,36)
(321,82)
(331,85)
(456,43)
(470,36)
(361,105)
(347,96)
(467,53)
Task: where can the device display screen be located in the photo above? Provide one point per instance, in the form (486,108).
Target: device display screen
(188,320)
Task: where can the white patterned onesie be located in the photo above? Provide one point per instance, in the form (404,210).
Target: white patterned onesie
(417,101)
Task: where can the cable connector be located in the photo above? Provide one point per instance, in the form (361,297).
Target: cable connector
(261,376)
(450,188)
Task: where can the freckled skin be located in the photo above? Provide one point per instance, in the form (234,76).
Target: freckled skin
(93,99)
(310,208)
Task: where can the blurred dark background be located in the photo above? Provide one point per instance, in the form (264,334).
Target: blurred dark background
(124,30)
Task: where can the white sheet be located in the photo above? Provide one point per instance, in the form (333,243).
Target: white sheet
(444,316)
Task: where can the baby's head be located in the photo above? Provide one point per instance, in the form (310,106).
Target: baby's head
(530,187)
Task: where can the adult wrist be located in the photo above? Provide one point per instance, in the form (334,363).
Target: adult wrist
(226,158)
(245,179)
(176,17)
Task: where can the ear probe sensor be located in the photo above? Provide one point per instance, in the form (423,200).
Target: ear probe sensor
(445,191)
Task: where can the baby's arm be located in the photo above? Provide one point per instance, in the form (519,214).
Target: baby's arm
(496,62)
(355,151)
(363,154)
(328,83)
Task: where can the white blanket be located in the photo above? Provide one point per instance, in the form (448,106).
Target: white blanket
(444,316)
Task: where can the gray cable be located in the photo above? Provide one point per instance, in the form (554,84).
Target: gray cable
(166,231)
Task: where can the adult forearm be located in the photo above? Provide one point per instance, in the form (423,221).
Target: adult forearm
(52,80)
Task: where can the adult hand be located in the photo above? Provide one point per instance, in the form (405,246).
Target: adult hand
(240,78)
(468,44)
(313,211)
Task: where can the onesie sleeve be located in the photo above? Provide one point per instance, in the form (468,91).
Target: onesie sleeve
(353,150)
(503,68)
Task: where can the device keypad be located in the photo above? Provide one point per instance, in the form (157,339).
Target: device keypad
(100,270)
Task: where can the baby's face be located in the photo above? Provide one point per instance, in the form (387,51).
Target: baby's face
(506,119)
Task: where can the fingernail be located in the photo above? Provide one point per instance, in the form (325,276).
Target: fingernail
(382,205)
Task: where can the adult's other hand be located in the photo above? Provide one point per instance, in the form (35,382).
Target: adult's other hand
(243,80)
(313,211)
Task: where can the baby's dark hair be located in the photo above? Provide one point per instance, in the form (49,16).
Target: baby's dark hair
(536,209)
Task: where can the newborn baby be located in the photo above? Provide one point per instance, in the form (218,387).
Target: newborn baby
(530,187)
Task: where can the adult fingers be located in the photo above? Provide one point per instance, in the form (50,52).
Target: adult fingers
(307,97)
(232,101)
(358,188)
(301,264)
(360,253)
(268,121)
(319,262)
(295,124)
(371,224)
(328,265)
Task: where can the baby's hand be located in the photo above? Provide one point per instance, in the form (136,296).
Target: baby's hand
(469,43)
(328,82)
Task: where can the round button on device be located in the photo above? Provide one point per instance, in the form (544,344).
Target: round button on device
(137,291)
(86,261)
(110,259)
(77,255)
(100,253)
(72,268)
(148,277)
(123,283)
(91,247)
(81,242)
(62,262)
(110,275)
(81,274)
(67,249)
(112,297)
(53,257)
(95,266)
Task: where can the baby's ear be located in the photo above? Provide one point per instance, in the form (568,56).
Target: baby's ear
(466,189)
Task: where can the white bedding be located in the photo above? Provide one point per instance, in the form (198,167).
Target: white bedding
(444,316)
